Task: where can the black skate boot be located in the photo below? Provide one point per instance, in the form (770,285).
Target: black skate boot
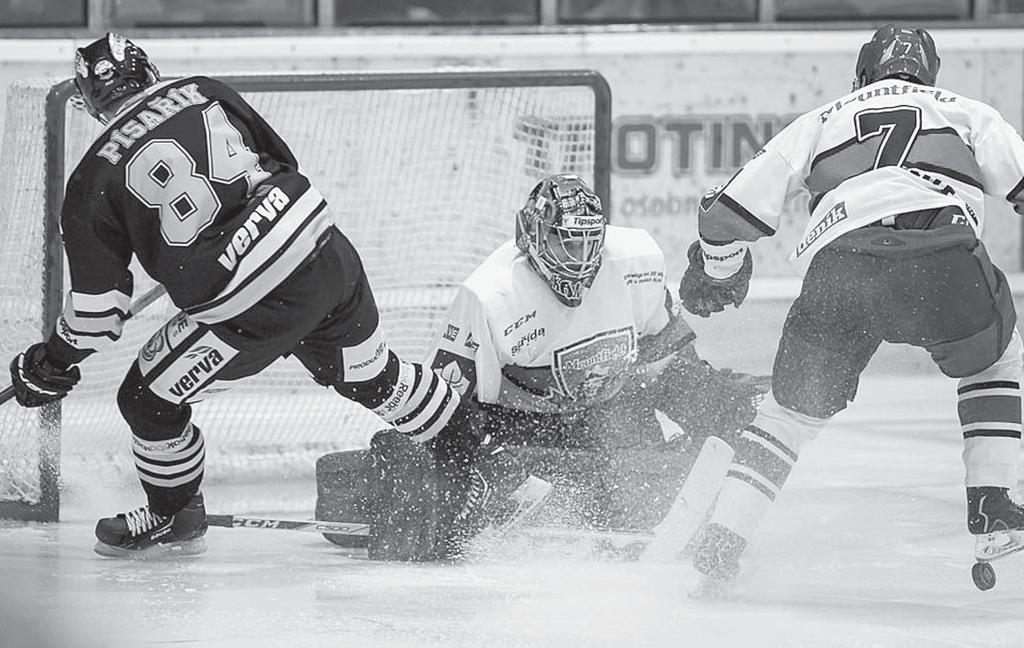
(718,559)
(990,509)
(144,534)
(995,520)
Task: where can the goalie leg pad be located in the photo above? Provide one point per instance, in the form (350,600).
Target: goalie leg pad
(343,492)
(396,487)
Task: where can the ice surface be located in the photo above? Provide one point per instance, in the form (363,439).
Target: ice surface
(866,546)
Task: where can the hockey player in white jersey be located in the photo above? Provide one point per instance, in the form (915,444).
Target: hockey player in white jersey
(565,339)
(895,174)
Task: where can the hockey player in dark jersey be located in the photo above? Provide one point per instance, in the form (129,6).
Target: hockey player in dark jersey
(566,342)
(896,174)
(188,178)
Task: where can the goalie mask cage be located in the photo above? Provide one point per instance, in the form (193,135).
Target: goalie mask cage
(424,172)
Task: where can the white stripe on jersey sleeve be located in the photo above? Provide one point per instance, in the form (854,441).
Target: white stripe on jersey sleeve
(84,303)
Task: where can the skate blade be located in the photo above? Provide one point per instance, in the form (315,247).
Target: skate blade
(992,546)
(168,551)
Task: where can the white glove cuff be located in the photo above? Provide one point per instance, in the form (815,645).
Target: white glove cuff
(723,261)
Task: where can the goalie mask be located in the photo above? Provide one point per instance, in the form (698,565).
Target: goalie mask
(897,53)
(561,229)
(108,71)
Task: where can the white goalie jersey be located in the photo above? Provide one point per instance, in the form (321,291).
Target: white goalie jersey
(509,341)
(889,148)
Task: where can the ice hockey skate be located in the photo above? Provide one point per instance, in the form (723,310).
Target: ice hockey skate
(142,534)
(717,559)
(997,522)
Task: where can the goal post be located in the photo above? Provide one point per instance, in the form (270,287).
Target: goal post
(423,171)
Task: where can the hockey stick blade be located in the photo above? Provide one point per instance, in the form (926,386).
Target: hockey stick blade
(692,503)
(309,526)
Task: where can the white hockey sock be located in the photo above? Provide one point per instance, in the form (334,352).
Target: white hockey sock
(765,454)
(170,463)
(989,407)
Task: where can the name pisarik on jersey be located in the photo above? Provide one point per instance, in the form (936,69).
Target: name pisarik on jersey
(163,108)
(269,209)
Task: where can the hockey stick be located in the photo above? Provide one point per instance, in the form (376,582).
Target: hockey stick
(309,526)
(134,309)
(528,497)
(692,503)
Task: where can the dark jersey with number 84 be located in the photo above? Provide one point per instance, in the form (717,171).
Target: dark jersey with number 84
(203,191)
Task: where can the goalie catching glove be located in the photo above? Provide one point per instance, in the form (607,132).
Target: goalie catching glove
(37,380)
(702,294)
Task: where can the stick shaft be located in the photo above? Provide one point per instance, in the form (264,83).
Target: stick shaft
(309,526)
(136,307)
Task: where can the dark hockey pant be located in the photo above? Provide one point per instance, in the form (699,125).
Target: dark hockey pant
(934,289)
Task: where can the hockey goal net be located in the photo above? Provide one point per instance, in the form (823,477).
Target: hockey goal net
(423,171)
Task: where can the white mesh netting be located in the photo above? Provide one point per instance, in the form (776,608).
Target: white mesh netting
(425,182)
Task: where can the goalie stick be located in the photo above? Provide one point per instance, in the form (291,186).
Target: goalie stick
(135,308)
(699,490)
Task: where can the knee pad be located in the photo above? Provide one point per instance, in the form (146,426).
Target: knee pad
(768,448)
(149,416)
(790,427)
(765,454)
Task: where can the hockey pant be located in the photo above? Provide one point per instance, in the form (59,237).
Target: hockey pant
(325,315)
(935,289)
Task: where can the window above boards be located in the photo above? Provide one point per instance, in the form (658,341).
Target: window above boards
(100,15)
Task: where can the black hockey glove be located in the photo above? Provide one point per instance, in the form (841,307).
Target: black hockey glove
(702,294)
(37,381)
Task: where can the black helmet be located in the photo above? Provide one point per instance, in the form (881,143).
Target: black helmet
(901,53)
(109,70)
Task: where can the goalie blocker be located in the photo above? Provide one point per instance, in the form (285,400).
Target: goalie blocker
(396,487)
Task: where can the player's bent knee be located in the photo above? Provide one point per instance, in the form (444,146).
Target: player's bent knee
(373,393)
(1007,367)
(148,415)
(792,428)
